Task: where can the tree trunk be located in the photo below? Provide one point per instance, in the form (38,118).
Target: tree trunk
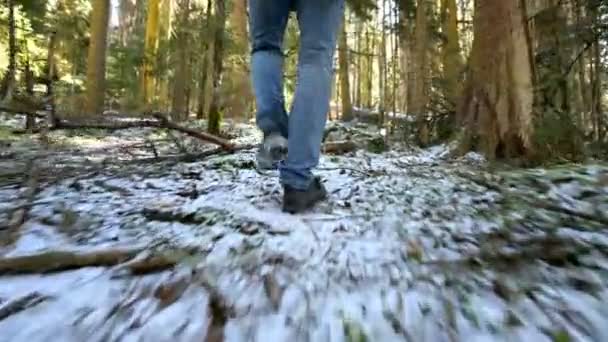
(206,50)
(404,35)
(420,64)
(552,82)
(596,97)
(382,65)
(8,83)
(96,61)
(241,100)
(358,83)
(347,108)
(370,68)
(179,108)
(50,77)
(150,49)
(30,121)
(219,21)
(497,105)
(126,20)
(452,60)
(163,60)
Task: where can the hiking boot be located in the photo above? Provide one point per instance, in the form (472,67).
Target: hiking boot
(295,201)
(272,150)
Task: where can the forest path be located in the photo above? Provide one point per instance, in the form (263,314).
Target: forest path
(411,246)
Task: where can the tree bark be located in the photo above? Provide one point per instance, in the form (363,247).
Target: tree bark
(163,60)
(126,20)
(8,82)
(347,108)
(420,65)
(497,106)
(404,37)
(96,61)
(215,116)
(382,65)
(150,49)
(206,49)
(179,108)
(452,60)
(30,121)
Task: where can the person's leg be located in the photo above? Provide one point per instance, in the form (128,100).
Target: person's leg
(267,22)
(319,22)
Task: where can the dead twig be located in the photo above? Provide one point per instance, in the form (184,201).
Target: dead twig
(339,147)
(19,216)
(160,121)
(165,123)
(53,261)
(21,304)
(537,203)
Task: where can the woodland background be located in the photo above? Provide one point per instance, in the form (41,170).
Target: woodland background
(513,79)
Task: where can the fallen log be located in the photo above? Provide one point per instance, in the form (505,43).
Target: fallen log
(165,123)
(50,261)
(339,147)
(129,259)
(160,121)
(20,304)
(19,216)
(22,111)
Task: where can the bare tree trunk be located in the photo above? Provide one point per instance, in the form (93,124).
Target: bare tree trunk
(30,121)
(497,106)
(150,49)
(404,29)
(420,63)
(215,117)
(596,97)
(370,69)
(179,108)
(126,20)
(347,108)
(395,66)
(96,61)
(206,49)
(50,78)
(452,60)
(240,101)
(382,65)
(8,83)
(358,83)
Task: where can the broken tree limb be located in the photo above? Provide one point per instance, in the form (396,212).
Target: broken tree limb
(19,216)
(165,123)
(64,260)
(127,259)
(21,304)
(339,147)
(160,121)
(534,202)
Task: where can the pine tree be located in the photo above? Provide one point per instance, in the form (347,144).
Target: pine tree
(96,61)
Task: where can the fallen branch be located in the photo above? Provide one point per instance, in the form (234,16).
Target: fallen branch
(160,121)
(21,304)
(64,260)
(339,147)
(19,216)
(22,111)
(165,123)
(534,202)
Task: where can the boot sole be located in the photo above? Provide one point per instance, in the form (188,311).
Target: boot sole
(308,206)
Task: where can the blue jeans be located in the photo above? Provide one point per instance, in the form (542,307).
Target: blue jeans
(319,22)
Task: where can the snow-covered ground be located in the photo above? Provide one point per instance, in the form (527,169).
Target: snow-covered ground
(411,246)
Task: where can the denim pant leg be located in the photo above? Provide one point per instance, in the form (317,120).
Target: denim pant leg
(267,22)
(319,22)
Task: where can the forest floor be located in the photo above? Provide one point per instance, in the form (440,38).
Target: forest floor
(119,237)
